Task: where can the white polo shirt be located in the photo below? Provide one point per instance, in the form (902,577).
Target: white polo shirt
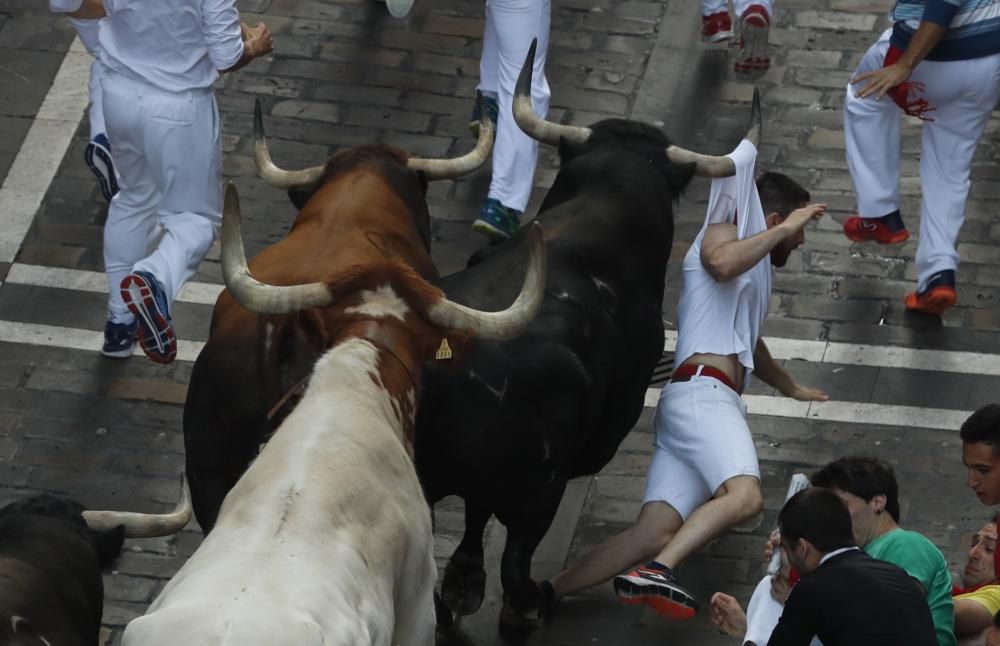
(725,318)
(177,45)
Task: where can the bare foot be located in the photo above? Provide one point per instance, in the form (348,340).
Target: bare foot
(728,615)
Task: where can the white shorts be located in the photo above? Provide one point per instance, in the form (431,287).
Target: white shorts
(701,440)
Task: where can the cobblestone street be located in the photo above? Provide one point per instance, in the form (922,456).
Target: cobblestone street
(343,73)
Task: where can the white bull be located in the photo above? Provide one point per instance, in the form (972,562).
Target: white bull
(326,539)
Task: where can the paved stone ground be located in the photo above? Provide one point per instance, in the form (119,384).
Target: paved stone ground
(346,73)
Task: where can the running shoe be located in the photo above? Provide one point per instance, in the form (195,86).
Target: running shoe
(97,155)
(716,27)
(938,296)
(497,221)
(888,229)
(755,25)
(492,111)
(119,339)
(657,589)
(144,296)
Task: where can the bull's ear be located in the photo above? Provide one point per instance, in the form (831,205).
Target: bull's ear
(679,176)
(299,195)
(109,544)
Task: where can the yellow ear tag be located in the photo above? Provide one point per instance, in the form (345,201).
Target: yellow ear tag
(444,350)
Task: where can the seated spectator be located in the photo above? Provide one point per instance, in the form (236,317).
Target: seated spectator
(978,569)
(845,597)
(868,488)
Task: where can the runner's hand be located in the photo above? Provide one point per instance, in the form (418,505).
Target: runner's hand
(257,40)
(798,218)
(882,80)
(806,394)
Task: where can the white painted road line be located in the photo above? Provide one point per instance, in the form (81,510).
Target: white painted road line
(849,412)
(853,412)
(43,150)
(880,356)
(96,282)
(54,336)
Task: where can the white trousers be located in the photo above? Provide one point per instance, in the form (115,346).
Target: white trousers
(168,153)
(88,31)
(708,7)
(510,26)
(763,613)
(963,94)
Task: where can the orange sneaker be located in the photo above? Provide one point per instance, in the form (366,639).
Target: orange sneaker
(938,296)
(888,229)
(658,589)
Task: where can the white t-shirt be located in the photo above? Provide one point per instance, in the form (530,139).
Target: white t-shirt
(175,45)
(725,318)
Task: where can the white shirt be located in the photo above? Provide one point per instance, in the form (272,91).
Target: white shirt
(725,318)
(175,45)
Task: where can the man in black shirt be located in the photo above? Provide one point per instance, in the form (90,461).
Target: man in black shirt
(845,597)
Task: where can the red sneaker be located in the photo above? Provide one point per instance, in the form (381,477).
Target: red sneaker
(864,229)
(938,296)
(716,27)
(755,25)
(659,590)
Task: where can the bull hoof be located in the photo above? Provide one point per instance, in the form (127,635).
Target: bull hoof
(517,625)
(464,585)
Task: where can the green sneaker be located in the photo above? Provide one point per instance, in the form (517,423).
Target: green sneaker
(497,221)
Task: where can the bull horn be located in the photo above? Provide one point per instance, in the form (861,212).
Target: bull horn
(533,125)
(515,319)
(143,525)
(452,168)
(719,165)
(247,290)
(266,169)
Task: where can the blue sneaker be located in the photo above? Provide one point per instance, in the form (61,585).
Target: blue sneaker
(97,154)
(144,297)
(119,339)
(497,221)
(492,111)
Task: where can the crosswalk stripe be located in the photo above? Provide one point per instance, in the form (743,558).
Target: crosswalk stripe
(841,411)
(76,339)
(836,411)
(96,282)
(43,150)
(879,356)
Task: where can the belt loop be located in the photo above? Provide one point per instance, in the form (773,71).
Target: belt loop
(697,372)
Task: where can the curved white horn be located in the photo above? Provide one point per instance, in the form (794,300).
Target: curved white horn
(144,525)
(266,169)
(515,319)
(247,290)
(533,125)
(452,168)
(719,165)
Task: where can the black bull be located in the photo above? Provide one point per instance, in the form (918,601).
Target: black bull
(526,415)
(51,589)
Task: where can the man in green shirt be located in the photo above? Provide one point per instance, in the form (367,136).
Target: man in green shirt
(868,488)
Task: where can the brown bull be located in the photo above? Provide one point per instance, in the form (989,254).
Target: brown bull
(355,264)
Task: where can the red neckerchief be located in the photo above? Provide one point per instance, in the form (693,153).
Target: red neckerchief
(906,93)
(957,590)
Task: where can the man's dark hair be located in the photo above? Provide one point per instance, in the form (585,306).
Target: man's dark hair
(863,476)
(819,516)
(780,194)
(983,426)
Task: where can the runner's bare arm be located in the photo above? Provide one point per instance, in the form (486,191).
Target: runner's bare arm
(725,256)
(771,373)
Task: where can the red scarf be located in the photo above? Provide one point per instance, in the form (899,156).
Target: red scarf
(906,94)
